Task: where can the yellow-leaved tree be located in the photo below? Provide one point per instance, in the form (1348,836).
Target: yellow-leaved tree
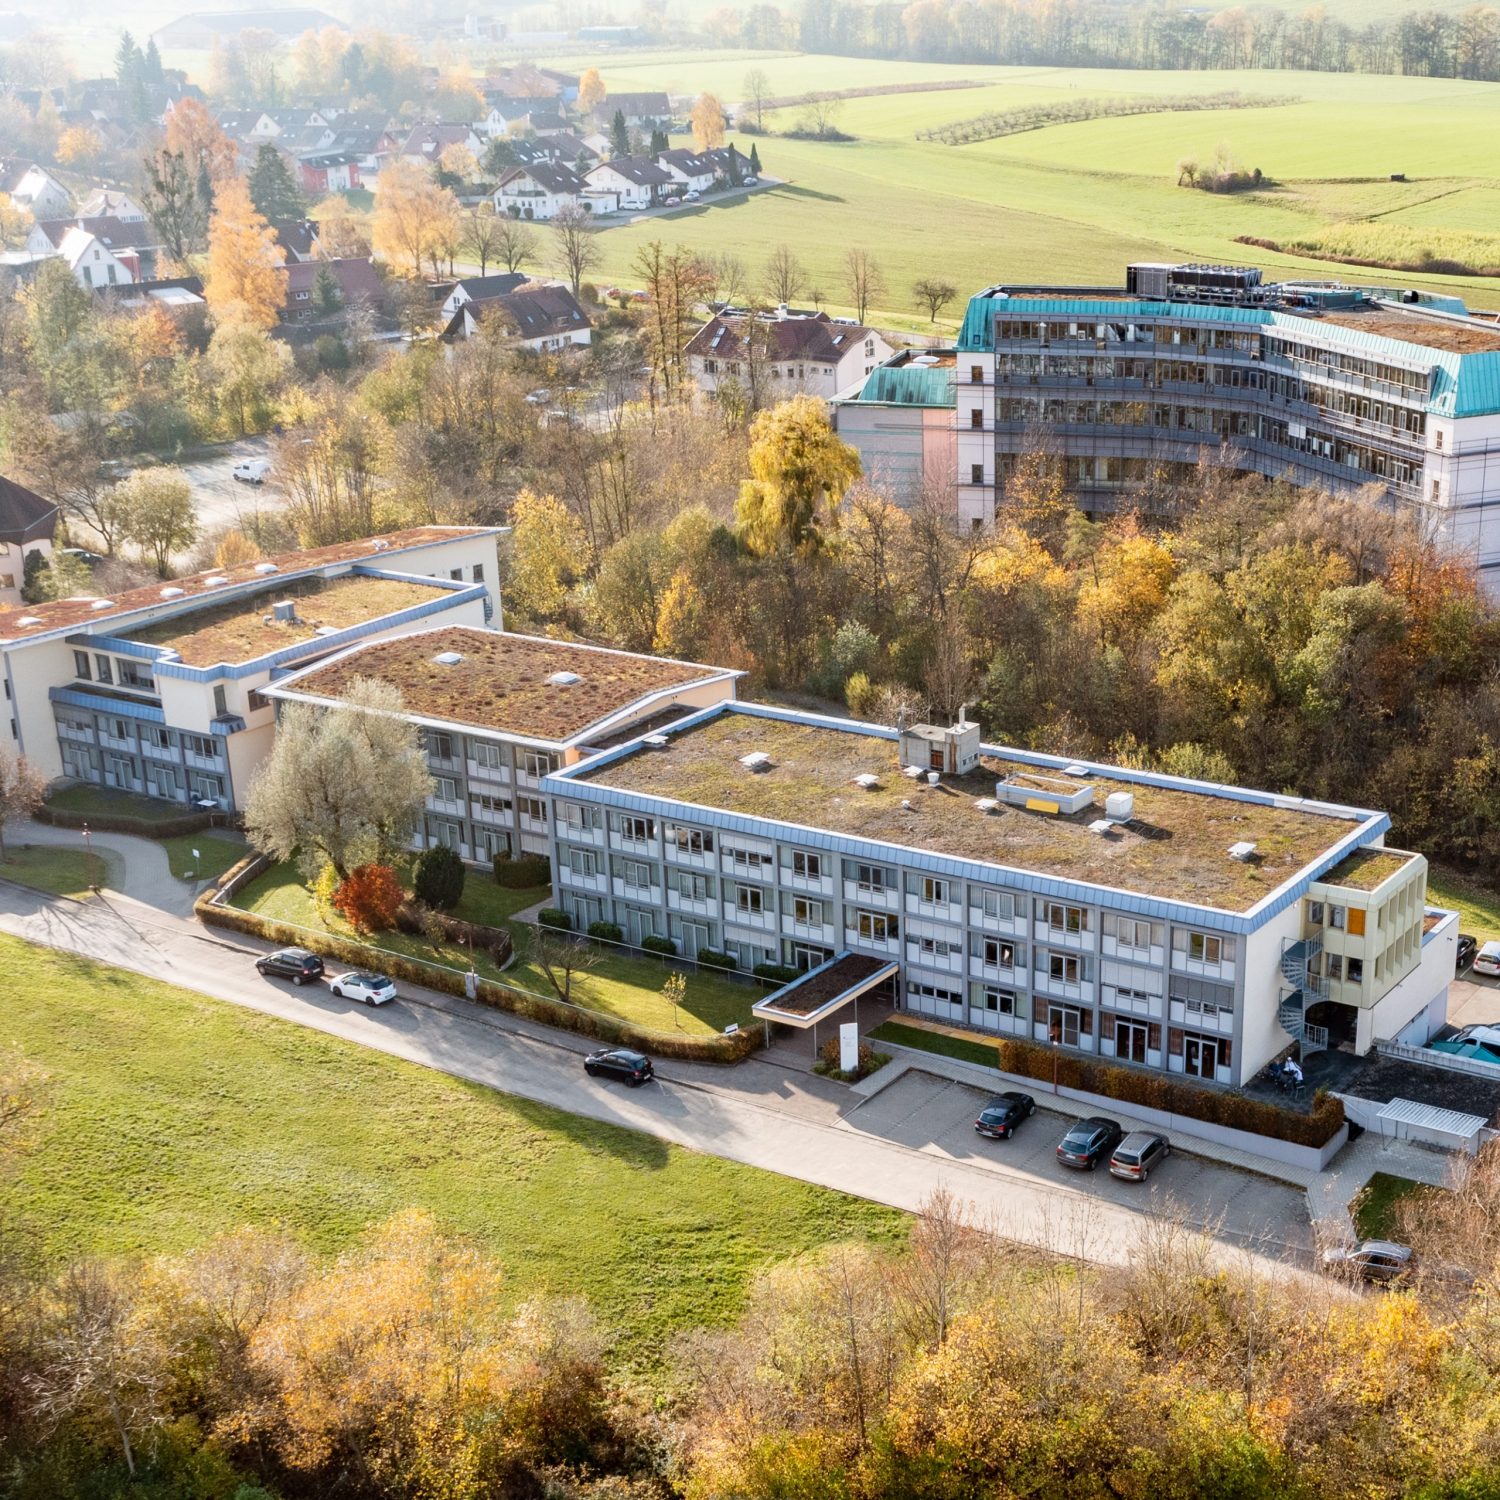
(245,283)
(549,553)
(707,123)
(590,90)
(414,217)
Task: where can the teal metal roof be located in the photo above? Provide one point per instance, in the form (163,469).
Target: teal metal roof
(909,385)
(1463,385)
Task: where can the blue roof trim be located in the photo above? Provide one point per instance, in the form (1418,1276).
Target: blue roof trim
(119,646)
(1365,825)
(103,705)
(227,724)
(456,594)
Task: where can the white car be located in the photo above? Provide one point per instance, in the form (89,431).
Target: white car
(372,989)
(1487,960)
(693,197)
(752,181)
(252,470)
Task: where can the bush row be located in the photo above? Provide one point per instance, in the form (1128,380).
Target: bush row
(1162,1092)
(522,874)
(424,921)
(146,828)
(596,1024)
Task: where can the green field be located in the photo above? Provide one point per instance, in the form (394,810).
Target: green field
(1074,203)
(60,871)
(169,1117)
(1477,905)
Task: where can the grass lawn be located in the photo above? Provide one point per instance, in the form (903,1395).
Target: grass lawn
(169,1117)
(620,985)
(939,1042)
(1375,1208)
(1478,905)
(95,800)
(61,870)
(216,853)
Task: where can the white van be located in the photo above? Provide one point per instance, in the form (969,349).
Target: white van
(252,470)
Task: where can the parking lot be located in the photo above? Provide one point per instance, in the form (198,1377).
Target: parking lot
(936,1116)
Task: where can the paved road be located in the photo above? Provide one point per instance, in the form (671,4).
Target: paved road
(220,499)
(896,1152)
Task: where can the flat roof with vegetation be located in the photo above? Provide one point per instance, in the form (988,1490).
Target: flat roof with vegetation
(502,682)
(245,629)
(1176,846)
(1366,868)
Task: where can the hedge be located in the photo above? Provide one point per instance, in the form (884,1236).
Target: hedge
(780,973)
(416,918)
(146,828)
(550,916)
(653,944)
(610,932)
(1163,1092)
(711,958)
(523,874)
(605,1028)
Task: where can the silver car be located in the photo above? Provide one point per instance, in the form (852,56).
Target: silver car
(1371,1260)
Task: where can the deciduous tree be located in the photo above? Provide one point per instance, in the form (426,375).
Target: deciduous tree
(785,275)
(22,788)
(591,92)
(169,194)
(757,89)
(707,122)
(515,243)
(369,897)
(933,294)
(863,279)
(800,470)
(574,248)
(158,513)
(244,283)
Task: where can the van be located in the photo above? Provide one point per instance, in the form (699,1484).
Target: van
(252,470)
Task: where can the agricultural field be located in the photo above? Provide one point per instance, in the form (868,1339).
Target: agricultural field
(1074,202)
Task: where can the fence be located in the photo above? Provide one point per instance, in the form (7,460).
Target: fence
(1403,1052)
(213,909)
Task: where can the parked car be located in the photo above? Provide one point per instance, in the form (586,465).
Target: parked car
(1468,946)
(359,984)
(1088,1142)
(1371,1260)
(251,470)
(296,964)
(999,1118)
(539,398)
(1478,1043)
(83,555)
(673,201)
(1136,1157)
(751,181)
(629,1067)
(1487,960)
(692,195)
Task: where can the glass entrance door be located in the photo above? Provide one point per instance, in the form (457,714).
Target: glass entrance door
(1130,1041)
(1200,1056)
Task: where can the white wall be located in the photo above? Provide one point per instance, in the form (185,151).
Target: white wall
(1423,992)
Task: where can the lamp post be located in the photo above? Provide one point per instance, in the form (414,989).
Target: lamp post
(88,854)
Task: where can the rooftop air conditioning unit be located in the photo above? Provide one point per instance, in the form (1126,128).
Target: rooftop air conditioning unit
(1119,807)
(867,780)
(564,679)
(756,760)
(447,658)
(284,611)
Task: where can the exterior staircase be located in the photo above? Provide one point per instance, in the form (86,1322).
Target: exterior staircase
(1301,989)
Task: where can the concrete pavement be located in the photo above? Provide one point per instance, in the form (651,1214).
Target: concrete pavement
(138,868)
(798,1125)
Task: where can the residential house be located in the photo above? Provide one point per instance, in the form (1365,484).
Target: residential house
(547,122)
(37,191)
(540,190)
(644,110)
(637,180)
(178,294)
(691,171)
(157,690)
(730,164)
(325,172)
(111,203)
(479,288)
(130,244)
(796,354)
(426,143)
(297,238)
(545,318)
(27,524)
(356,278)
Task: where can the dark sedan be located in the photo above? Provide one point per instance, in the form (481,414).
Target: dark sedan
(629,1067)
(1468,946)
(296,964)
(999,1118)
(1089,1142)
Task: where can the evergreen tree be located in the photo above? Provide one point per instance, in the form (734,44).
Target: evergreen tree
(754,160)
(619,134)
(659,142)
(328,296)
(127,60)
(156,77)
(273,189)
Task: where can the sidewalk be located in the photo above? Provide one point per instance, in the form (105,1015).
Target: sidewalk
(1330,1193)
(138,867)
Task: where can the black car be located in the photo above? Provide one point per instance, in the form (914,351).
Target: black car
(1468,946)
(1089,1142)
(1137,1155)
(629,1067)
(999,1118)
(296,964)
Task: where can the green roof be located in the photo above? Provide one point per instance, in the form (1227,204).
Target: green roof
(909,385)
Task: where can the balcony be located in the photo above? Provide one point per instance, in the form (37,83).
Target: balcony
(937,911)
(168,753)
(75,733)
(479,771)
(876,897)
(951,962)
(628,892)
(698,906)
(205,762)
(581,833)
(495,817)
(116,742)
(810,885)
(756,921)
(1012,926)
(690,859)
(595,882)
(452,806)
(889,947)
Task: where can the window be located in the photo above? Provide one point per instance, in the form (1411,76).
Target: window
(533,808)
(976,374)
(583,862)
(456,574)
(221,700)
(490,809)
(934,947)
(807,913)
(445,789)
(1204,949)
(81,665)
(102,667)
(808,866)
(478,572)
(1063,967)
(639,830)
(691,885)
(694,841)
(875,926)
(1354,970)
(998,954)
(440,746)
(492,757)
(161,738)
(976,473)
(538,763)
(1356,921)
(1062,918)
(636,873)
(1334,964)
(934,891)
(1336,917)
(750,861)
(999,905)
(936,992)
(1132,934)
(1315,913)
(195,744)
(576,815)
(1001,1002)
(871,877)
(976,418)
(749,898)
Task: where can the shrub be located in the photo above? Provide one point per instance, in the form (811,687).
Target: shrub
(550,916)
(609,932)
(859,692)
(524,873)
(438,927)
(323,888)
(711,958)
(780,973)
(146,828)
(369,898)
(653,944)
(829,1055)
(439,878)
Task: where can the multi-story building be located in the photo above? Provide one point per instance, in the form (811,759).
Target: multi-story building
(160,690)
(499,712)
(1182,925)
(1393,393)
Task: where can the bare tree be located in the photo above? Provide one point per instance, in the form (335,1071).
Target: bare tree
(785,275)
(675,280)
(863,279)
(482,228)
(822,114)
(933,294)
(515,242)
(561,960)
(757,88)
(574,250)
(21,790)
(724,279)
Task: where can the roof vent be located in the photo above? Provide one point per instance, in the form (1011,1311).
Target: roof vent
(933,777)
(284,611)
(911,772)
(655,742)
(172,593)
(447,658)
(867,780)
(265,567)
(1119,807)
(564,679)
(102,604)
(756,760)
(1075,770)
(1100,825)
(325,630)
(217,581)
(1243,851)
(29,620)
(986,804)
